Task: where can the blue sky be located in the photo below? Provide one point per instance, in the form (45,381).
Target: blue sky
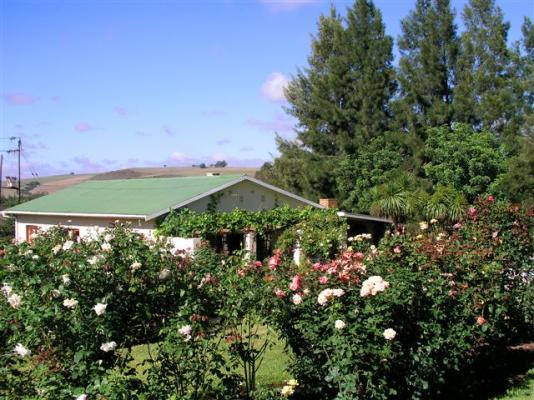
(108,84)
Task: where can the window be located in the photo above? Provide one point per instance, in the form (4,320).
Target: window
(30,231)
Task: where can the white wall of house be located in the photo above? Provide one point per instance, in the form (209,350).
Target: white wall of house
(86,225)
(247,196)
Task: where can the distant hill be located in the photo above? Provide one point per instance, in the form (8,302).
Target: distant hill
(50,184)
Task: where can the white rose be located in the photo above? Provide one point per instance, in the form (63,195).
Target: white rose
(21,351)
(56,249)
(108,237)
(100,308)
(105,246)
(92,260)
(135,266)
(35,257)
(14,300)
(296,299)
(82,397)
(70,303)
(65,278)
(108,346)
(339,324)
(67,245)
(186,331)
(389,334)
(56,293)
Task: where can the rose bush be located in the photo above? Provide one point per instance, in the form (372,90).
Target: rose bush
(400,320)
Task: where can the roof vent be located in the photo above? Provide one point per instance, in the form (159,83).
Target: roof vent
(212,173)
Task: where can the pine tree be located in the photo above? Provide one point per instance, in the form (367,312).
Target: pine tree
(341,99)
(484,94)
(429,49)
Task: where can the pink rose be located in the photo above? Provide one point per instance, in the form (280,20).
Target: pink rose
(258,264)
(457,225)
(472,212)
(323,279)
(295,283)
(397,250)
(280,293)
(241,273)
(481,320)
(490,198)
(274,261)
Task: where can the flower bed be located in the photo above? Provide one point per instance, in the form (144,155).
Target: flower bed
(401,320)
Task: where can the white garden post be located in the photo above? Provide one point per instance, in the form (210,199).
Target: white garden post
(250,244)
(298,254)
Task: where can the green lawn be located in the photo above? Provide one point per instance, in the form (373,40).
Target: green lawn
(272,372)
(523,391)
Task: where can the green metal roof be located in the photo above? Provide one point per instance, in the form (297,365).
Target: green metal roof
(136,197)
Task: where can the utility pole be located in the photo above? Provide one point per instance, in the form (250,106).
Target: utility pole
(19,150)
(1,166)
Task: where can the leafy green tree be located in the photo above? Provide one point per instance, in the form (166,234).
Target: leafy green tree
(373,164)
(341,99)
(484,94)
(517,183)
(464,159)
(429,49)
(300,171)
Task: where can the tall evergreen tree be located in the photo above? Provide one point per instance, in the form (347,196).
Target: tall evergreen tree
(341,100)
(429,48)
(484,94)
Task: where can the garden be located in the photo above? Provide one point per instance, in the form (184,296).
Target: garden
(117,316)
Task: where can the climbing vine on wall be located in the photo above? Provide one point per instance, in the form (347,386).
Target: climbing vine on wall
(320,232)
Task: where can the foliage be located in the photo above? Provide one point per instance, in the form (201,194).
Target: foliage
(341,99)
(440,298)
(466,160)
(429,49)
(353,110)
(373,164)
(484,95)
(321,235)
(403,320)
(400,199)
(187,223)
(300,171)
(517,182)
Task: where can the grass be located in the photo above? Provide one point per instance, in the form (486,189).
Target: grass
(272,372)
(522,391)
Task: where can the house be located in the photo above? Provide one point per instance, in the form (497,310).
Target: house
(95,204)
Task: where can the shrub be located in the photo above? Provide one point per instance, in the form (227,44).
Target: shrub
(400,320)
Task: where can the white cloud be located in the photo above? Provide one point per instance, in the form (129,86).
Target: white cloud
(286,5)
(273,88)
